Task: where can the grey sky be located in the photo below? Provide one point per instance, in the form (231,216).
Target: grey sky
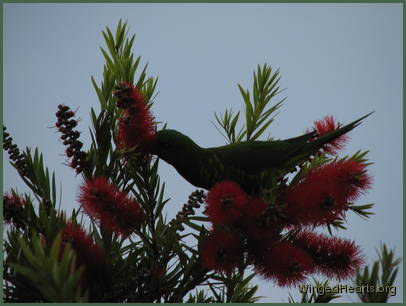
(340,59)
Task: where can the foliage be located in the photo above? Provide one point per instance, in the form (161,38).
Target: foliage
(257,116)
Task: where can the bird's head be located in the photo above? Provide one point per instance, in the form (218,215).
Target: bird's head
(173,146)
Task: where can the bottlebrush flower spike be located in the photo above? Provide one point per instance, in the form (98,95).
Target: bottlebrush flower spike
(324,193)
(110,207)
(326,125)
(334,257)
(225,202)
(222,251)
(87,252)
(351,175)
(255,225)
(136,125)
(311,203)
(285,263)
(254,208)
(13,209)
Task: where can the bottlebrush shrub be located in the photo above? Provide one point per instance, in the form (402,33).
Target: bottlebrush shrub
(117,245)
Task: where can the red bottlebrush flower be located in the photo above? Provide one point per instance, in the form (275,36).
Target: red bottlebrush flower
(315,204)
(325,192)
(136,125)
(136,98)
(327,125)
(349,174)
(13,209)
(222,251)
(261,231)
(254,224)
(87,252)
(285,263)
(254,208)
(110,207)
(333,257)
(136,128)
(225,202)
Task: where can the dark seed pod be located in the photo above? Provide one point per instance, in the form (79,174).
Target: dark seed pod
(75,134)
(70,137)
(74,163)
(73,123)
(78,145)
(69,114)
(69,152)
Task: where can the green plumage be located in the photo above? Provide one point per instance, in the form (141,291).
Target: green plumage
(251,164)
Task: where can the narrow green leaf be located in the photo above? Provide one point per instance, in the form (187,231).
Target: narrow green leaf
(110,42)
(192,225)
(53,188)
(261,130)
(199,218)
(109,62)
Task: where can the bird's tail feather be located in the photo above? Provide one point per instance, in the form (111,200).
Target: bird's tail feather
(304,138)
(315,145)
(337,133)
(310,148)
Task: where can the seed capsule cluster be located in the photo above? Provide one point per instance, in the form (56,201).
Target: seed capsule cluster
(14,153)
(196,198)
(66,125)
(123,93)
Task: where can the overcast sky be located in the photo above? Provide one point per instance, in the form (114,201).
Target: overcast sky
(339,59)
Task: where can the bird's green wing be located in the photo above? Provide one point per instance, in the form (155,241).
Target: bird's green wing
(254,157)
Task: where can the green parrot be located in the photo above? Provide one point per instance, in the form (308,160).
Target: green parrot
(251,164)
